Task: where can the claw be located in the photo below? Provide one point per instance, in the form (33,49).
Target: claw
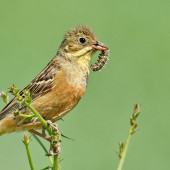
(54,126)
(54,139)
(54,149)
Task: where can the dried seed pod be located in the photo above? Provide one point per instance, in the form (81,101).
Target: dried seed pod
(103,57)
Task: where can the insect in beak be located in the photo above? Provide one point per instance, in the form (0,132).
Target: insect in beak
(103,56)
(99,46)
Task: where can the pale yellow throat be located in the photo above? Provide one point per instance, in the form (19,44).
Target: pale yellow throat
(84,56)
(84,60)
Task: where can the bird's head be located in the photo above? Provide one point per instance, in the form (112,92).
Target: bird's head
(79,45)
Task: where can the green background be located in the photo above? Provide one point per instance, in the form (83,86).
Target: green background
(138,35)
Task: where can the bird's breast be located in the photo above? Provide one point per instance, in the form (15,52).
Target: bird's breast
(61,99)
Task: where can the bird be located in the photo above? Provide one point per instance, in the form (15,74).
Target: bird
(58,88)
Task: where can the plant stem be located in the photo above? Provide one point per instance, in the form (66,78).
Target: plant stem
(22,115)
(56,163)
(133,127)
(122,158)
(55,139)
(44,123)
(26,143)
(29,157)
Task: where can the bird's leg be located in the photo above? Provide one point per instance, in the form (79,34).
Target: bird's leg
(53,126)
(54,148)
(40,135)
(50,151)
(43,131)
(55,138)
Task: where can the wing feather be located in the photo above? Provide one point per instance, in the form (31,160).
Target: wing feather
(42,84)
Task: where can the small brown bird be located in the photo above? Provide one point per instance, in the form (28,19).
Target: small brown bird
(60,85)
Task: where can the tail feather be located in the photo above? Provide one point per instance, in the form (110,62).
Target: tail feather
(2,131)
(7,125)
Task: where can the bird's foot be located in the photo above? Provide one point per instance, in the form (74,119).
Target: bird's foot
(54,127)
(54,149)
(55,138)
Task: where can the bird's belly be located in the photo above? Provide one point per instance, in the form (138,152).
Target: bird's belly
(60,100)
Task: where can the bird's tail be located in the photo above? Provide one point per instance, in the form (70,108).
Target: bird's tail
(7,125)
(2,130)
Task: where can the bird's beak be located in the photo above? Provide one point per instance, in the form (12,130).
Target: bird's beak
(99,46)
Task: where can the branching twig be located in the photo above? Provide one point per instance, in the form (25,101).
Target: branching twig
(52,129)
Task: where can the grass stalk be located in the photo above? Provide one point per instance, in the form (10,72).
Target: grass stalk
(123,155)
(133,126)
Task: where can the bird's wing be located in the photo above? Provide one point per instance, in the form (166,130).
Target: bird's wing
(42,84)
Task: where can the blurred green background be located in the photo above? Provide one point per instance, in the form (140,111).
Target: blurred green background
(138,34)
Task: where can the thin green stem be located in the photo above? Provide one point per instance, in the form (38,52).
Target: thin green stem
(123,155)
(51,160)
(22,115)
(56,163)
(29,157)
(133,127)
(26,143)
(44,123)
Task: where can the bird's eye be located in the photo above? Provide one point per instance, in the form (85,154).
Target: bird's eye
(82,40)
